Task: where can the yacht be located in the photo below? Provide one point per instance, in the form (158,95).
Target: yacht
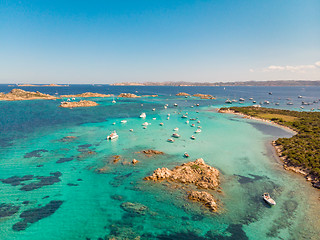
(198,130)
(184,116)
(268,199)
(143,115)
(228,101)
(153,109)
(176,105)
(170,140)
(176,135)
(266,102)
(113,101)
(193,137)
(251,98)
(176,129)
(145,124)
(165,106)
(254,101)
(289,103)
(241,99)
(123,121)
(113,135)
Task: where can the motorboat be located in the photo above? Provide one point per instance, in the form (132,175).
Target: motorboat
(266,102)
(198,121)
(198,130)
(168,115)
(170,140)
(241,99)
(184,116)
(145,124)
(268,199)
(186,155)
(114,123)
(192,125)
(191,106)
(299,96)
(277,104)
(175,135)
(154,119)
(176,129)
(176,105)
(289,103)
(228,101)
(113,101)
(153,109)
(131,130)
(123,121)
(165,106)
(270,93)
(199,127)
(187,121)
(254,101)
(193,137)
(143,115)
(197,104)
(168,118)
(113,135)
(161,124)
(251,98)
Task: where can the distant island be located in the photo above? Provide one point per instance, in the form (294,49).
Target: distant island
(299,153)
(42,85)
(19,94)
(216,84)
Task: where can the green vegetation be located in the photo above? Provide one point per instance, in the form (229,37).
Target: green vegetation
(301,150)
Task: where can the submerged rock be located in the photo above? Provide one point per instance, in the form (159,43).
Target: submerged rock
(8,209)
(35,153)
(135,208)
(35,214)
(68,139)
(151,152)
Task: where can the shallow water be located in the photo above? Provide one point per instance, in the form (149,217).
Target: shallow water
(69,170)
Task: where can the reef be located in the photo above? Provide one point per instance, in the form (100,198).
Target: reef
(128,95)
(36,214)
(154,95)
(42,181)
(67,139)
(62,160)
(19,94)
(204,96)
(151,152)
(35,153)
(86,94)
(7,210)
(134,208)
(82,103)
(192,174)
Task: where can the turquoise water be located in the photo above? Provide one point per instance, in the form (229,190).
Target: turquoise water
(77,201)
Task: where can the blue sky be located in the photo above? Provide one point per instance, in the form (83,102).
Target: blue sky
(104,41)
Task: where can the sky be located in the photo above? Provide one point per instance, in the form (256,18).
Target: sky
(110,41)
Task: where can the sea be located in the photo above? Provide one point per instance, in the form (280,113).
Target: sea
(58,177)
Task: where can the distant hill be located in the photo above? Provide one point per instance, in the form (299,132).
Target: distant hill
(247,83)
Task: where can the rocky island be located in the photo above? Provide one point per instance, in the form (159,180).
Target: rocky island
(128,95)
(204,96)
(190,176)
(182,94)
(82,103)
(19,94)
(86,94)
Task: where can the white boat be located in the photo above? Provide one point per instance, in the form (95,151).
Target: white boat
(165,106)
(176,129)
(131,130)
(113,101)
(175,105)
(186,155)
(168,118)
(154,119)
(114,123)
(113,135)
(143,115)
(251,98)
(268,199)
(168,115)
(266,102)
(198,130)
(199,127)
(73,98)
(176,135)
(153,109)
(123,121)
(170,140)
(191,106)
(144,127)
(161,124)
(299,96)
(228,101)
(193,137)
(145,124)
(184,116)
(241,99)
(187,121)
(198,121)
(192,125)
(197,104)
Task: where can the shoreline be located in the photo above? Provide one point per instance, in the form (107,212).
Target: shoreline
(315,183)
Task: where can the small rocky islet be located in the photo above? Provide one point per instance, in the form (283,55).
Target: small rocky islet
(192,177)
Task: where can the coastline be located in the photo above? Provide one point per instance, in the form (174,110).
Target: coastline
(315,183)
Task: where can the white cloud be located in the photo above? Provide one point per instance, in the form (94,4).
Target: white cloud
(295,69)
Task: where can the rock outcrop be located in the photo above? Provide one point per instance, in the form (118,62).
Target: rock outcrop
(204,96)
(128,95)
(19,94)
(154,95)
(82,103)
(197,173)
(189,175)
(206,198)
(182,94)
(151,152)
(86,94)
